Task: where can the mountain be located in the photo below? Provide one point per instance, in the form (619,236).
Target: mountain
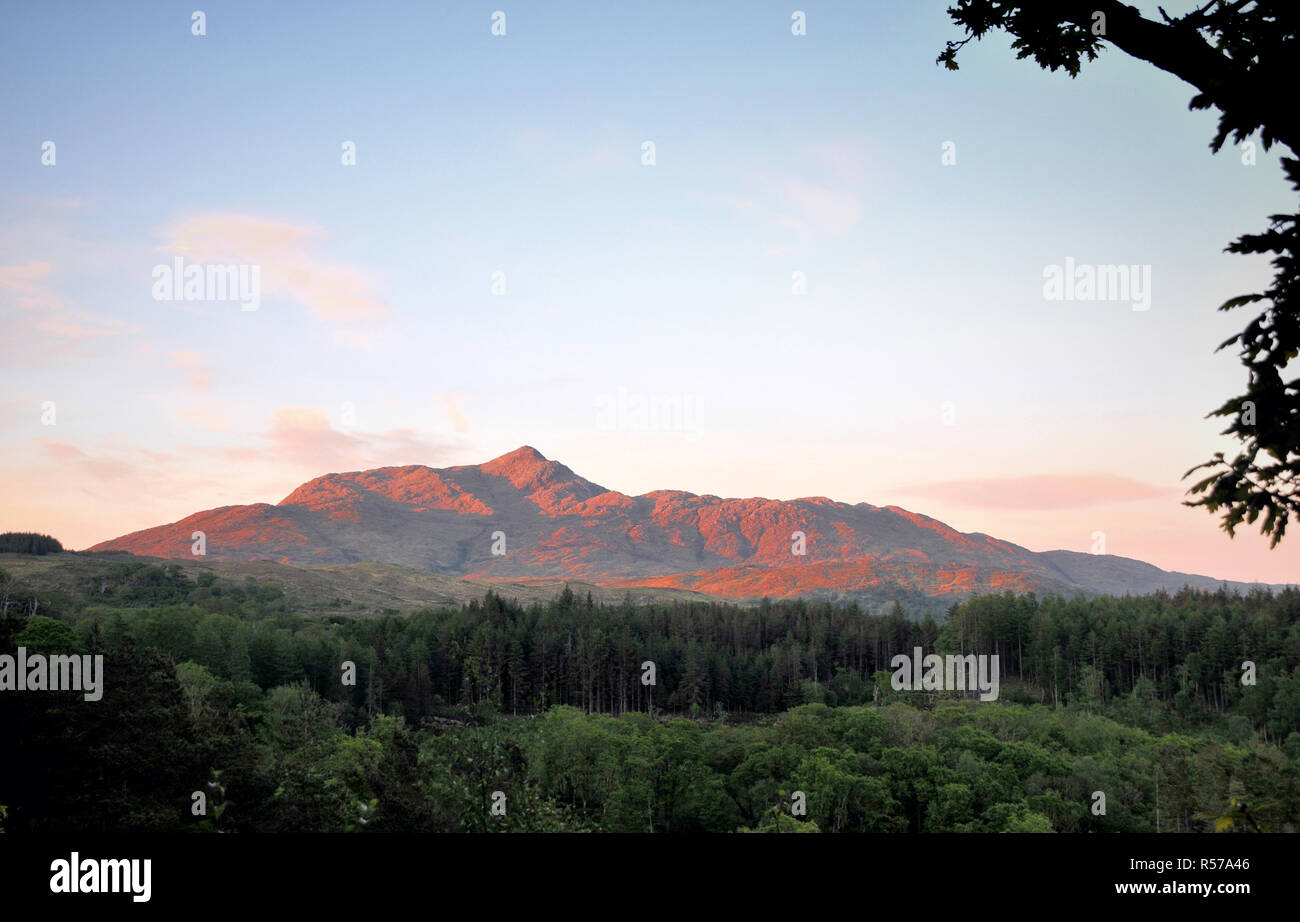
(556,524)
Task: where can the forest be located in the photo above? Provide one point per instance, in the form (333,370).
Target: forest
(224,710)
(28,542)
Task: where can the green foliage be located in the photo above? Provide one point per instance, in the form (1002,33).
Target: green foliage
(494,717)
(218,804)
(48,635)
(778,820)
(137,584)
(1262,479)
(1240,58)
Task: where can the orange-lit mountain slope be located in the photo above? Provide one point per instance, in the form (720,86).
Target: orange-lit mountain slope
(554,524)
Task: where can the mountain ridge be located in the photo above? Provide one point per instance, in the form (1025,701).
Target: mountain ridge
(522,517)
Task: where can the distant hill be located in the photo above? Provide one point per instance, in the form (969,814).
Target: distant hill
(354,590)
(555,525)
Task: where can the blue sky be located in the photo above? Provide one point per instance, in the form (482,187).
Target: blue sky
(522,154)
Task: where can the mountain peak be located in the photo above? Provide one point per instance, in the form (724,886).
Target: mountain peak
(554,488)
(562,526)
(524,466)
(523,454)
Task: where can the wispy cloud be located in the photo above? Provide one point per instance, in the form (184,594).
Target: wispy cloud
(102,468)
(288,256)
(86,494)
(606,156)
(197,371)
(204,418)
(86,491)
(820,197)
(24,279)
(530,139)
(48,327)
(58,202)
(451,404)
(820,209)
(304,437)
(1047,491)
(842,161)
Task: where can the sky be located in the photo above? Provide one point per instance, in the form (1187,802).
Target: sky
(675,247)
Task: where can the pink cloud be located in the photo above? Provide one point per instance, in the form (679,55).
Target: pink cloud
(1046,491)
(59,202)
(83,496)
(72,330)
(451,404)
(48,328)
(99,467)
(60,451)
(303,436)
(367,340)
(84,493)
(23,279)
(288,261)
(204,418)
(197,371)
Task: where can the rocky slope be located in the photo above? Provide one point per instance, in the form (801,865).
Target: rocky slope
(555,524)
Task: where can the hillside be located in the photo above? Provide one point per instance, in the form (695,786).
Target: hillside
(523,518)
